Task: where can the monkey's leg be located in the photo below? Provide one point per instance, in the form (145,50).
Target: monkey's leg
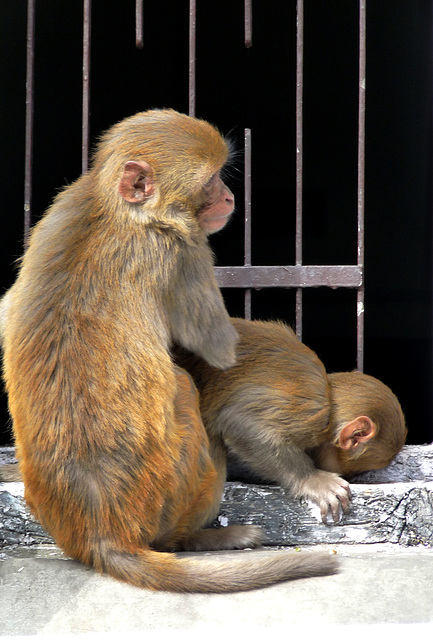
(198,497)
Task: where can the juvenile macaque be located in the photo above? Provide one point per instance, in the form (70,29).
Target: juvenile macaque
(293,424)
(114,456)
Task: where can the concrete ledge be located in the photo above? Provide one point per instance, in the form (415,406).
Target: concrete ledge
(395,512)
(399,513)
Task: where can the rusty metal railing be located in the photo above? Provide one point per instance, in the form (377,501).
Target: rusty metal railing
(29,119)
(299,276)
(248,276)
(87,8)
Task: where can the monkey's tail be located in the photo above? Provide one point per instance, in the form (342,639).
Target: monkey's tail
(167,572)
(10,473)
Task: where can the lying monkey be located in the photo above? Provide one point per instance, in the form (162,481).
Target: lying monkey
(280,412)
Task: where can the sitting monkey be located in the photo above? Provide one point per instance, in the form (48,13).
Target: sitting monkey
(111,446)
(279,411)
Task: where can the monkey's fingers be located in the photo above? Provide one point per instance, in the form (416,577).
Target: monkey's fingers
(342,482)
(337,500)
(329,491)
(331,505)
(336,507)
(344,494)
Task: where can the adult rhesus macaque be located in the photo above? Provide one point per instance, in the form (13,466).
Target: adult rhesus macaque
(113,453)
(278,411)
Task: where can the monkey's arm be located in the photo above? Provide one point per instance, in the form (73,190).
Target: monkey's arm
(255,428)
(198,318)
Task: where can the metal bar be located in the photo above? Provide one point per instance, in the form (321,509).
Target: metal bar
(361,180)
(248,24)
(289,277)
(192,54)
(87,7)
(29,119)
(139,24)
(299,153)
(247,231)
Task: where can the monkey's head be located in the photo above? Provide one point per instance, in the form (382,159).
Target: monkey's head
(369,427)
(167,165)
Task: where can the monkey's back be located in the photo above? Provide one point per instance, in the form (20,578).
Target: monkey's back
(90,382)
(276,378)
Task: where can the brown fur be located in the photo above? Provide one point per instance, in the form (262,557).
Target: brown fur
(114,456)
(279,411)
(353,394)
(10,473)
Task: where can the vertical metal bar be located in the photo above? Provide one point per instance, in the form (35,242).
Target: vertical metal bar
(361,181)
(247,232)
(139,24)
(248,23)
(299,153)
(192,54)
(29,119)
(87,7)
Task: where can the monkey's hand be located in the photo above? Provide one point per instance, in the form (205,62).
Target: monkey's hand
(206,329)
(328,491)
(220,349)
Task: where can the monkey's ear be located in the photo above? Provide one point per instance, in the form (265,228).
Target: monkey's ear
(136,183)
(357,432)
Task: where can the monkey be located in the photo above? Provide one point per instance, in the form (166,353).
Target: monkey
(278,411)
(4,306)
(116,463)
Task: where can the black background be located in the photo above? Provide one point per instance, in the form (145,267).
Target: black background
(237,88)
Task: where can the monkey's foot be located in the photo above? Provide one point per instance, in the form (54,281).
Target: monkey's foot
(224,538)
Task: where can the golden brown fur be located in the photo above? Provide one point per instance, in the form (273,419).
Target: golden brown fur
(113,453)
(279,411)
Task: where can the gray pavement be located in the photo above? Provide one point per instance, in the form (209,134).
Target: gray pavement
(43,593)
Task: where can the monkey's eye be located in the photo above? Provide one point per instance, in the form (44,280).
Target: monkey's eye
(209,184)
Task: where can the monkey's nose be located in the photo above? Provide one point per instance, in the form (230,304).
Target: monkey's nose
(230,201)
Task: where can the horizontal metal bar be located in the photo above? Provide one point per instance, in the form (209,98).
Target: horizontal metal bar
(256,277)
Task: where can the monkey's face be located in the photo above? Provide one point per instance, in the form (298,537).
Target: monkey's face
(169,161)
(216,206)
